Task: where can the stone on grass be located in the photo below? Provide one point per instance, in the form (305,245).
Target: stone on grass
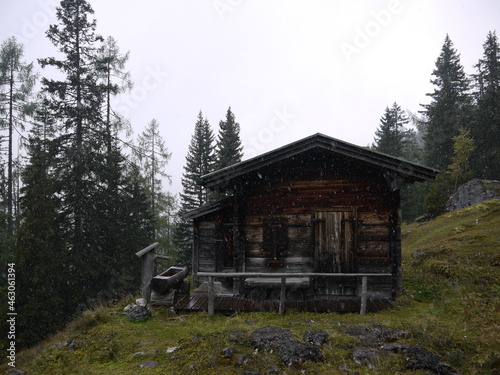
(138,313)
(316,337)
(420,358)
(148,364)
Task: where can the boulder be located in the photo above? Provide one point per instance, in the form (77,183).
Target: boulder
(291,351)
(138,313)
(472,192)
(420,358)
(316,337)
(266,337)
(364,356)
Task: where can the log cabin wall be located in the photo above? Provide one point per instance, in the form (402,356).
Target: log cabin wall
(273,207)
(296,201)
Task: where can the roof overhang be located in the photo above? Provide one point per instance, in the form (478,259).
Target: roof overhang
(405,169)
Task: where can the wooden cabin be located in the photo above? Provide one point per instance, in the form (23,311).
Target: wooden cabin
(318,205)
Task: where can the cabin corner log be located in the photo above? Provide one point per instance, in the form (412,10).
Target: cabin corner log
(283,276)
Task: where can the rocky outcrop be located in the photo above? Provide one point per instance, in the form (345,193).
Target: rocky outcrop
(472,192)
(291,351)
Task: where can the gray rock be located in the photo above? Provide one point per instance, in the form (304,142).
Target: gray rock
(364,356)
(420,358)
(138,313)
(148,364)
(293,351)
(264,338)
(395,347)
(228,352)
(472,192)
(316,337)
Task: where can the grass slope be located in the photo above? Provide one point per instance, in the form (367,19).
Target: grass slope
(450,305)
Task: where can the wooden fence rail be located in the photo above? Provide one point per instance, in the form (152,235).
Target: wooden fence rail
(283,276)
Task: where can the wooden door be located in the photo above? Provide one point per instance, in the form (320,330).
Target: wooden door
(335,244)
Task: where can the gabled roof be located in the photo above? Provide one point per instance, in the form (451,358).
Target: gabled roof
(406,169)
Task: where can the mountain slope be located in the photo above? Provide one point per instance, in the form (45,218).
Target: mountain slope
(450,307)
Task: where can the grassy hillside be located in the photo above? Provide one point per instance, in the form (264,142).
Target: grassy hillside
(450,306)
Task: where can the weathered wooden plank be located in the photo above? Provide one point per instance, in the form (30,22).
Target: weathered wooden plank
(373,249)
(206,224)
(293,220)
(373,217)
(254,234)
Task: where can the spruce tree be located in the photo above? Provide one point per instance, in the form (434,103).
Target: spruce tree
(449,109)
(75,101)
(486,125)
(40,264)
(200,160)
(392,137)
(102,225)
(229,150)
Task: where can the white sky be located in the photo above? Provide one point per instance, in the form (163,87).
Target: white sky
(287,68)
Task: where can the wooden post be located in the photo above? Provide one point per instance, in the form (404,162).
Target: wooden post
(282,296)
(211,296)
(148,257)
(364,288)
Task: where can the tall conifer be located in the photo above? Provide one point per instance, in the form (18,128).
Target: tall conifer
(486,126)
(229,150)
(449,109)
(200,160)
(392,137)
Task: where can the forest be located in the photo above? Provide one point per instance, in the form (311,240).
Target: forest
(78,195)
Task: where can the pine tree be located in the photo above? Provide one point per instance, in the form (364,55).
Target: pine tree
(75,102)
(16,83)
(41,273)
(229,150)
(450,108)
(100,206)
(486,127)
(200,160)
(392,137)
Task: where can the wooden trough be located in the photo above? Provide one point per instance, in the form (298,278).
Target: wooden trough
(168,279)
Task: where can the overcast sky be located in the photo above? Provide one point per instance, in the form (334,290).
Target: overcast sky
(287,68)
